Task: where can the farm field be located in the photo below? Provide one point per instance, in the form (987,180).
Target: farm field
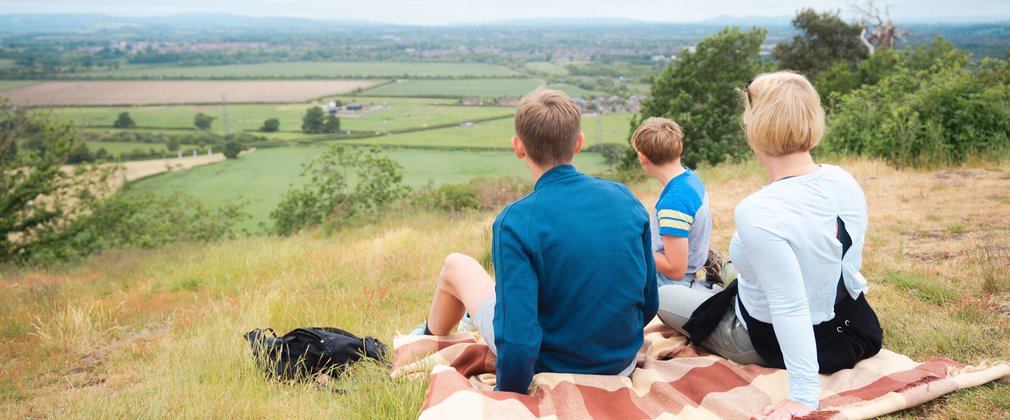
(312,69)
(177,92)
(466,87)
(576,91)
(384,114)
(12,84)
(547,67)
(262,178)
(498,133)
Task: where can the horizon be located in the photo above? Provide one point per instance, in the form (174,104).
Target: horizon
(457,12)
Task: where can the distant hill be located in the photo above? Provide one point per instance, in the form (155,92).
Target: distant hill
(94,21)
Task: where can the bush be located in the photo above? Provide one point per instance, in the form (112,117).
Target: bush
(145,221)
(271,125)
(124,121)
(924,117)
(202,121)
(612,153)
(232,149)
(475,194)
(328,196)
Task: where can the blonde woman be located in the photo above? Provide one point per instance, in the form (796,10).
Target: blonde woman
(798,302)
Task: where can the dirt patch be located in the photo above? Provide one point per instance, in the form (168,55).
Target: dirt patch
(178,92)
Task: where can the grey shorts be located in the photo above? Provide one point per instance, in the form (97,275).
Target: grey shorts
(484,321)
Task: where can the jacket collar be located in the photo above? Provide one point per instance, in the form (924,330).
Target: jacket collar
(554,174)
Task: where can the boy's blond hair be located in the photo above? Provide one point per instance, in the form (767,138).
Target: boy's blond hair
(659,139)
(548,123)
(782,114)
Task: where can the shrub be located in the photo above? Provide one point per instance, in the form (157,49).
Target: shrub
(124,121)
(145,221)
(232,149)
(942,114)
(202,121)
(271,125)
(328,196)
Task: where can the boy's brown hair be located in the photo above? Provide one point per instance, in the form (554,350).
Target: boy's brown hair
(548,123)
(659,139)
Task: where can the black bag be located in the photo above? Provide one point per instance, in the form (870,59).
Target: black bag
(305,352)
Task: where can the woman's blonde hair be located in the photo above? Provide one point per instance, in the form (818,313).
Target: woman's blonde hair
(782,114)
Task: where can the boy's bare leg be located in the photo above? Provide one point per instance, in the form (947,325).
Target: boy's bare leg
(462,286)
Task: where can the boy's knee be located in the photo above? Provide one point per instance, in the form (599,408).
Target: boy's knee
(454,262)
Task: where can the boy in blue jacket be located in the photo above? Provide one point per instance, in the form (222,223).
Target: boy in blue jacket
(576,280)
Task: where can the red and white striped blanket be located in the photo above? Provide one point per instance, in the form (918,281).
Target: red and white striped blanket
(673,380)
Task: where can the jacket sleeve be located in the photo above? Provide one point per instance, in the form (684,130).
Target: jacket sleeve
(516,327)
(778,273)
(650,293)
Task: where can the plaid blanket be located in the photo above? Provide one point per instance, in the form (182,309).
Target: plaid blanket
(673,379)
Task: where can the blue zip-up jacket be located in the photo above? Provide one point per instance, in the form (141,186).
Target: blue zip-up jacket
(575,279)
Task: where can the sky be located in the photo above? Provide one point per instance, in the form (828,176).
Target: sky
(438,12)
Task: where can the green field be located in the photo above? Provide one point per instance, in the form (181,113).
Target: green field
(11,84)
(262,178)
(575,91)
(497,133)
(548,68)
(312,69)
(384,114)
(488,88)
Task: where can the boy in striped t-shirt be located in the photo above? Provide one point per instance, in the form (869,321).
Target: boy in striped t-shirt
(680,222)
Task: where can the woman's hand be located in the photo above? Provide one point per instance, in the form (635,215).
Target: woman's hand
(786,409)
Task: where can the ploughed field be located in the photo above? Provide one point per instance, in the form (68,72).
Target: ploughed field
(177,91)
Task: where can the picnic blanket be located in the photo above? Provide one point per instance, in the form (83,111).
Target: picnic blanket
(673,380)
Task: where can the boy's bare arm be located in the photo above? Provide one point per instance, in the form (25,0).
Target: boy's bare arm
(673,264)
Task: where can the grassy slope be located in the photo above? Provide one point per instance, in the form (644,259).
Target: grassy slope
(333,70)
(157,333)
(261,179)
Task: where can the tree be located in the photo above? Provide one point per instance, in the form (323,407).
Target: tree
(824,40)
(884,34)
(232,149)
(331,124)
(271,125)
(203,121)
(935,107)
(313,122)
(80,154)
(173,144)
(700,91)
(39,196)
(102,154)
(124,121)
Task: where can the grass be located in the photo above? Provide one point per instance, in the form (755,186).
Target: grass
(575,91)
(385,114)
(157,333)
(497,133)
(260,179)
(312,69)
(547,68)
(492,88)
(12,84)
